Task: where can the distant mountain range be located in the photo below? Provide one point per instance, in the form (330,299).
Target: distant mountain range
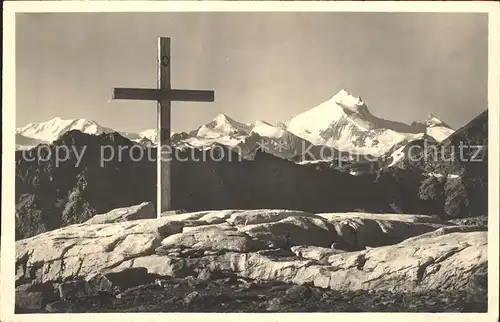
(343,124)
(49,131)
(49,196)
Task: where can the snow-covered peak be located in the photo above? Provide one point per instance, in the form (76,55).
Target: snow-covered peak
(345,99)
(433,121)
(87,126)
(222,118)
(259,123)
(339,109)
(52,129)
(437,129)
(223,125)
(150,134)
(265,129)
(56,119)
(345,123)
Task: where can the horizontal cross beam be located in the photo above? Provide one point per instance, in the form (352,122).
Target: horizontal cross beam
(147,94)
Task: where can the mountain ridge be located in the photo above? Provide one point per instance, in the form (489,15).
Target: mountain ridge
(345,122)
(341,123)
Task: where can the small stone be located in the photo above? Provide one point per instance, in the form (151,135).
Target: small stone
(61,306)
(205,275)
(73,289)
(247,286)
(298,292)
(171,300)
(274,304)
(31,301)
(33,297)
(161,282)
(191,297)
(191,281)
(316,293)
(227,280)
(278,288)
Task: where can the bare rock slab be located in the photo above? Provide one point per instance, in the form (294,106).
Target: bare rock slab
(401,253)
(144,210)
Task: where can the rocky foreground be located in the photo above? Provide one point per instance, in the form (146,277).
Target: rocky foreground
(251,261)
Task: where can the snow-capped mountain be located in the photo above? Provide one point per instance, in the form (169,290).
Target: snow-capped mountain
(268,130)
(51,130)
(46,132)
(444,158)
(437,128)
(220,130)
(146,142)
(225,130)
(247,138)
(344,122)
(151,135)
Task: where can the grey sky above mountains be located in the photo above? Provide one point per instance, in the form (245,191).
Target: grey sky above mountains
(263,66)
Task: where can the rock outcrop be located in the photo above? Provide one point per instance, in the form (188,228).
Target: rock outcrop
(145,210)
(342,252)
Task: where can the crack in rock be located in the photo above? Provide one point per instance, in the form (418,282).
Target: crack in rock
(361,261)
(422,268)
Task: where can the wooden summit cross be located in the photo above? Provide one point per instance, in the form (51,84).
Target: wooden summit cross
(164,95)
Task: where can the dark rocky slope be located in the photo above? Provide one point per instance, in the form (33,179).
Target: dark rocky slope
(50,196)
(446,157)
(463,157)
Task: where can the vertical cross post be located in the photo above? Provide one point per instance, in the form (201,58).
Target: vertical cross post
(164,155)
(164,95)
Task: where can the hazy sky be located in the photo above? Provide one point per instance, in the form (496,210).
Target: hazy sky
(262,66)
